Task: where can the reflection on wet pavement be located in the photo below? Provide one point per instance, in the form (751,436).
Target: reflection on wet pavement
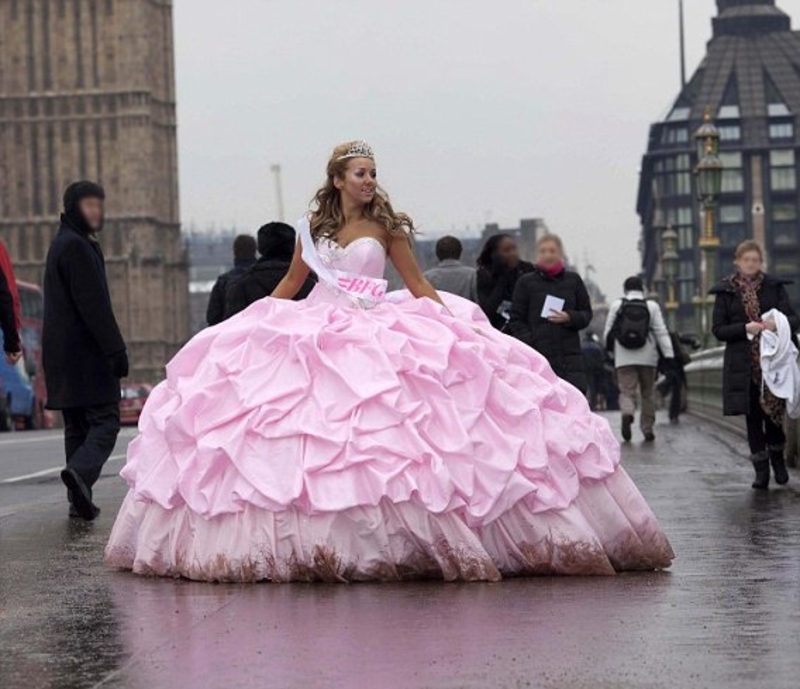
(728,615)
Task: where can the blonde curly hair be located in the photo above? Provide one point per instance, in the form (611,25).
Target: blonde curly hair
(327,217)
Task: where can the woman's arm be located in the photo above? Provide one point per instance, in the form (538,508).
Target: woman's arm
(723,329)
(491,291)
(581,316)
(402,256)
(659,329)
(519,325)
(295,277)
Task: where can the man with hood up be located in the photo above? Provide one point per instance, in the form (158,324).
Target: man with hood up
(83,353)
(276,244)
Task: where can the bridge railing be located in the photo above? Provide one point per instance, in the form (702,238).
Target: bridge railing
(704,379)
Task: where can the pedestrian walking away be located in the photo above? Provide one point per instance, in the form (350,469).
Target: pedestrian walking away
(84,355)
(499,268)
(741,300)
(244,257)
(451,275)
(636,333)
(358,435)
(673,388)
(10,320)
(549,309)
(594,357)
(276,242)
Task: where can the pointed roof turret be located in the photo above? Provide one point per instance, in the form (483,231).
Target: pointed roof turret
(749,18)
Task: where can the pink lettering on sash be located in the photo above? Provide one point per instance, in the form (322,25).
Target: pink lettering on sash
(360,285)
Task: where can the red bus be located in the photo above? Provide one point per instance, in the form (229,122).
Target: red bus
(32,308)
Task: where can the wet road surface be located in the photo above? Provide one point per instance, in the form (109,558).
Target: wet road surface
(727,615)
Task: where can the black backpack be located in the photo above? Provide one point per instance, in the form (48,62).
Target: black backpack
(632,326)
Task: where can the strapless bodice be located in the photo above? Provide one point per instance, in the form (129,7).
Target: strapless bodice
(364,256)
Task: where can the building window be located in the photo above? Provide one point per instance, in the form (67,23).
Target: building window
(729,112)
(731,159)
(732,181)
(686,270)
(730,132)
(731,214)
(784,235)
(686,291)
(783,179)
(685,216)
(732,173)
(679,115)
(784,212)
(732,234)
(781,131)
(675,135)
(778,110)
(783,175)
(675,184)
(782,158)
(785,265)
(685,238)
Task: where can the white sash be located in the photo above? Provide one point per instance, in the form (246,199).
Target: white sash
(363,291)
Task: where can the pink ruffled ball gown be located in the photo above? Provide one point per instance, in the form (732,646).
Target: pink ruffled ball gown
(318,441)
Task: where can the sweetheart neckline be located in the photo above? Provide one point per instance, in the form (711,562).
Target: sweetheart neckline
(341,248)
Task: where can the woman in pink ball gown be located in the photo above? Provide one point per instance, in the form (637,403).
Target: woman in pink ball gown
(360,435)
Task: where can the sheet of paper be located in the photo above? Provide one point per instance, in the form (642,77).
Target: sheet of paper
(551,304)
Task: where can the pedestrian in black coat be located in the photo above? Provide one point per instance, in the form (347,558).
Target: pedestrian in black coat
(276,244)
(557,335)
(83,353)
(244,257)
(674,384)
(740,301)
(499,268)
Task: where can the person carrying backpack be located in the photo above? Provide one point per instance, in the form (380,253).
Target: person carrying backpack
(635,332)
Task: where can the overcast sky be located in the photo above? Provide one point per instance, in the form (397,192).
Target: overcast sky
(478,110)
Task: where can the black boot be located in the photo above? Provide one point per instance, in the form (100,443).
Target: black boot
(761,465)
(627,423)
(778,465)
(81,495)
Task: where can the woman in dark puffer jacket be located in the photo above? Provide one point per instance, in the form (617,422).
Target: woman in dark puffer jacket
(556,336)
(741,299)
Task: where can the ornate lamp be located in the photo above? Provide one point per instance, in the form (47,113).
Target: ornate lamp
(709,175)
(709,187)
(669,268)
(707,134)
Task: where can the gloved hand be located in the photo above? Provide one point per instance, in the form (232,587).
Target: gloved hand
(119,364)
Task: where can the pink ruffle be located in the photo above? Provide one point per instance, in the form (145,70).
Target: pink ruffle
(607,529)
(318,422)
(323,408)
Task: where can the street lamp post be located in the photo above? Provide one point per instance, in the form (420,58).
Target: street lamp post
(709,188)
(669,269)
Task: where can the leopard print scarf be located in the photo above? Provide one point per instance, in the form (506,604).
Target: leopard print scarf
(748,289)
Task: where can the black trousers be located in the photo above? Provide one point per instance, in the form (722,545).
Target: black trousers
(673,385)
(762,432)
(90,434)
(595,380)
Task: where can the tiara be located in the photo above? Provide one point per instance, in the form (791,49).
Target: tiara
(359,149)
